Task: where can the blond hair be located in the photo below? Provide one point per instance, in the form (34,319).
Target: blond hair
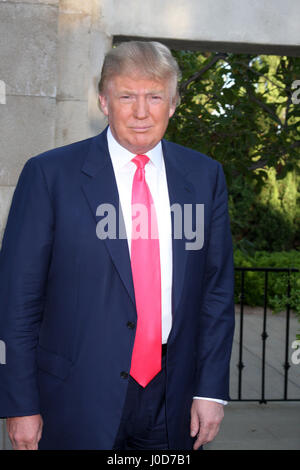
(149,59)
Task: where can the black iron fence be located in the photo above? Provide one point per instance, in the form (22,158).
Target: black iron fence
(262,398)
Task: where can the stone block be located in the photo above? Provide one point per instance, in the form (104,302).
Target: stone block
(256,23)
(76,6)
(73,56)
(27,127)
(28,36)
(72,122)
(44,2)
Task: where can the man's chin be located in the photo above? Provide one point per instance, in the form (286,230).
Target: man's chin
(140,145)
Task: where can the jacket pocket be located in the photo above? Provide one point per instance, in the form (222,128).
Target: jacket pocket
(53,363)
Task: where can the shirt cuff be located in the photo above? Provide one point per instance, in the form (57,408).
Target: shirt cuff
(222,402)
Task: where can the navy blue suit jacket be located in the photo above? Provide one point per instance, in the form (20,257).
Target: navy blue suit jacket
(66,298)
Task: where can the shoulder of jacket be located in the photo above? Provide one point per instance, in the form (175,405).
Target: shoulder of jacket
(191,159)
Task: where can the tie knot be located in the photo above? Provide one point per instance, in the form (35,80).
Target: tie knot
(141,161)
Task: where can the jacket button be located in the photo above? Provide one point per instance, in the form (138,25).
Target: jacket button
(124,375)
(130,325)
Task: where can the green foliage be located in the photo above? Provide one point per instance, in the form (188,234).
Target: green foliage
(266,217)
(277,282)
(238,109)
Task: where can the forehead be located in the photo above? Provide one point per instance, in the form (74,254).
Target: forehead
(138,84)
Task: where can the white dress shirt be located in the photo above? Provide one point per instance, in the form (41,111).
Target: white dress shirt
(156,179)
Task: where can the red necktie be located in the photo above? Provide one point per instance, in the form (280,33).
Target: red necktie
(145,264)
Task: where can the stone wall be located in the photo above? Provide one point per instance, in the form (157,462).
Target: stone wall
(236,25)
(50,59)
(51,55)
(28,38)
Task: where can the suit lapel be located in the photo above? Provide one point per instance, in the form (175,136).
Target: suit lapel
(101,188)
(180,192)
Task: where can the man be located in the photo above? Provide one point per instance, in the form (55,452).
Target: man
(118,341)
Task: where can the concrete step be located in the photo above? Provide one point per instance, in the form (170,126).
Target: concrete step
(251,426)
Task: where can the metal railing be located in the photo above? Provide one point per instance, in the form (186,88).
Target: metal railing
(264,335)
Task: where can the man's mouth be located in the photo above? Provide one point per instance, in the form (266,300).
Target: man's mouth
(141,129)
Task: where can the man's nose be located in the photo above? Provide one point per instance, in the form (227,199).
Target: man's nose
(141,108)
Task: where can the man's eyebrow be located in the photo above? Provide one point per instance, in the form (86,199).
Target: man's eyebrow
(156,92)
(126,92)
(133,92)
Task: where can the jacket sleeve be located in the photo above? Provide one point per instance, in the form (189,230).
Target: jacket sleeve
(24,261)
(216,325)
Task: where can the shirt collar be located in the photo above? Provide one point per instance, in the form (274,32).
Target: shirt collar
(121,156)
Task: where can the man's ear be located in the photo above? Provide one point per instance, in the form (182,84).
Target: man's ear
(172,109)
(104,104)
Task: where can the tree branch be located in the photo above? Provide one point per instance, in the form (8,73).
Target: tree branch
(265,107)
(197,75)
(259,74)
(258,164)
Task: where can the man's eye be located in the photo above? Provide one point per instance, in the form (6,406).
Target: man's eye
(156,97)
(126,98)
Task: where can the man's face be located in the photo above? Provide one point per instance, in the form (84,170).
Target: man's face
(138,111)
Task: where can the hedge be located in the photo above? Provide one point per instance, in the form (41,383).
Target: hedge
(277,282)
